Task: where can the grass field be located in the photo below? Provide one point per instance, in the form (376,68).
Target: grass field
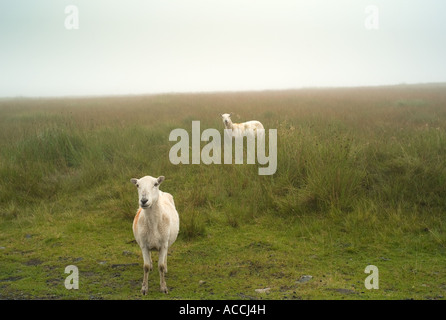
(361,180)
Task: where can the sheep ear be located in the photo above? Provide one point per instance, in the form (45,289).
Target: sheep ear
(231,114)
(134,180)
(160,179)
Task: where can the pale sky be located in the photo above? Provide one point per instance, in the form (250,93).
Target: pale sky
(153,46)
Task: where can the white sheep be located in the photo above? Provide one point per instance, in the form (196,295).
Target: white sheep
(243,129)
(155,226)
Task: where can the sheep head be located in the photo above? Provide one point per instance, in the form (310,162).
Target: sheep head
(226,117)
(148,190)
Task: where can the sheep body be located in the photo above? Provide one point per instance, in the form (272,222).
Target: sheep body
(252,127)
(155,225)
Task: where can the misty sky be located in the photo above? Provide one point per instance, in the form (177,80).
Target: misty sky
(141,46)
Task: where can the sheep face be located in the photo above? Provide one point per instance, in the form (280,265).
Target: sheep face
(226,117)
(148,190)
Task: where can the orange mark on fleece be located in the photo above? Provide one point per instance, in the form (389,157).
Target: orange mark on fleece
(135,221)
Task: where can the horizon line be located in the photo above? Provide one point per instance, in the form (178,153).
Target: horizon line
(81,96)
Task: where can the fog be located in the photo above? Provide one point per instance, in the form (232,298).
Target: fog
(135,47)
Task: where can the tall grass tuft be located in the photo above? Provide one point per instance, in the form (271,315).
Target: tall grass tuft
(337,149)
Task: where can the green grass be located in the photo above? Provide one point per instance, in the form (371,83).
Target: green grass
(360,181)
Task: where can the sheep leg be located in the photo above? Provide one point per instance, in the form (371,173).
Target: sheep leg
(147,267)
(162,266)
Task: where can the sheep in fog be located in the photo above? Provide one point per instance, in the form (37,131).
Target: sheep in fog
(253,127)
(155,226)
